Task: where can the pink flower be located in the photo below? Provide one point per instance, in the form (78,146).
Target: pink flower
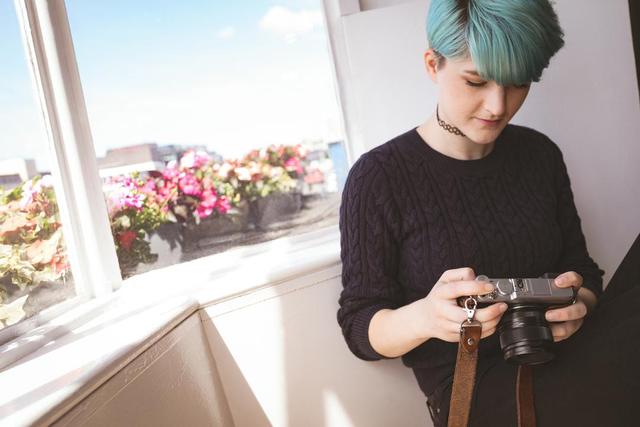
(208,198)
(190,185)
(171,171)
(209,201)
(148,186)
(203,211)
(293,164)
(133,201)
(223,205)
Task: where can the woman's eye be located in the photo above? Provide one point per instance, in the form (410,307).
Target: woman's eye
(476,84)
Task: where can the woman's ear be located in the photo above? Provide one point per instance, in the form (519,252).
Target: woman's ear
(431,63)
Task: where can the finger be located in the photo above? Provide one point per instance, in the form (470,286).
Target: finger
(453,318)
(559,331)
(570,278)
(463,288)
(451,331)
(487,332)
(491,324)
(571,312)
(456,274)
(453,313)
(494,311)
(562,331)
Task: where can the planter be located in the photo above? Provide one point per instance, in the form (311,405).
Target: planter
(172,242)
(216,228)
(276,208)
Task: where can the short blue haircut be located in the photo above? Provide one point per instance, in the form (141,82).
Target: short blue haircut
(509,41)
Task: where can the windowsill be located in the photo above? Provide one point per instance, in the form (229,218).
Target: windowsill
(95,339)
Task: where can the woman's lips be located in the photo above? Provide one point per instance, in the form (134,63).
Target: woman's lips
(489,122)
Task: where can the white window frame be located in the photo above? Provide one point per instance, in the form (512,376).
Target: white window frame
(334,11)
(83,211)
(91,251)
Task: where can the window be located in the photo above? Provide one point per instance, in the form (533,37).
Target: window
(34,267)
(215,123)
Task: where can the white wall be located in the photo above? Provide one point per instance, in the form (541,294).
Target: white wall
(283,362)
(271,357)
(587,102)
(172,383)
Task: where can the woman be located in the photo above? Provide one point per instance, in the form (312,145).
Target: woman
(466,193)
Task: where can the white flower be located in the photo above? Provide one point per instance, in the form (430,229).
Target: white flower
(276,172)
(188,160)
(223,170)
(243,174)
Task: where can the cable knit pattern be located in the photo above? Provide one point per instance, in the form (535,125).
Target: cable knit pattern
(409,213)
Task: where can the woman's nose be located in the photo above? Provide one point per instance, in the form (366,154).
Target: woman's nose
(495,101)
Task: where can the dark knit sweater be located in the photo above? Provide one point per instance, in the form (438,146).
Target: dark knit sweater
(409,213)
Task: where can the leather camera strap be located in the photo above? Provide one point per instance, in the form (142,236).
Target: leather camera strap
(464,376)
(525,397)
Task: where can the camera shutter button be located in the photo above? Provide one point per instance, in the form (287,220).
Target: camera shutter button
(504,287)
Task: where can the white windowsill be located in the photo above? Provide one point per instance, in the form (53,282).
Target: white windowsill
(96,339)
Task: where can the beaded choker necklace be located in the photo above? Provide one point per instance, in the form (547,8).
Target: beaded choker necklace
(454,130)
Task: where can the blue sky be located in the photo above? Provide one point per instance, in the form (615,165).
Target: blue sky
(230,75)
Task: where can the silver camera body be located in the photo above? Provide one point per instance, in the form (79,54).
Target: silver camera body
(525,336)
(526,291)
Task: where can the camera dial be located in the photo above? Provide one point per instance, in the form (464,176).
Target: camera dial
(505,287)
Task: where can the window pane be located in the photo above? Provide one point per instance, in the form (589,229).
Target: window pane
(215,123)
(34,271)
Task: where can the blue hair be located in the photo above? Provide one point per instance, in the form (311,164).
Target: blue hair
(509,41)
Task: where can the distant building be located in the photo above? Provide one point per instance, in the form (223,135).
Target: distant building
(13,172)
(145,157)
(173,152)
(134,158)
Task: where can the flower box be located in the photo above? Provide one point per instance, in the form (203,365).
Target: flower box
(215,227)
(276,208)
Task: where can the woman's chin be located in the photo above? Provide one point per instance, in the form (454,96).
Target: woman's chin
(484,136)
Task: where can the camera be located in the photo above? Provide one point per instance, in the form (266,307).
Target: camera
(525,336)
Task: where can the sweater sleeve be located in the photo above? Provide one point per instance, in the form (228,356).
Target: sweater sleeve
(368,250)
(574,256)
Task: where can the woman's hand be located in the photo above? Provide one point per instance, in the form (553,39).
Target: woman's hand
(567,320)
(439,315)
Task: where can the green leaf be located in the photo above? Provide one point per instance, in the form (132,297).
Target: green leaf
(13,312)
(42,251)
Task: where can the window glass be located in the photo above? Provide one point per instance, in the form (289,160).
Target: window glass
(34,270)
(215,123)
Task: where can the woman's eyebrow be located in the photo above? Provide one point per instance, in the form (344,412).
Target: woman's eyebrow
(474,72)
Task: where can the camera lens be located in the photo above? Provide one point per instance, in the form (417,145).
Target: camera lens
(525,337)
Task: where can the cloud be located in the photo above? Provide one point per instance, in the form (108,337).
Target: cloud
(227,33)
(291,25)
